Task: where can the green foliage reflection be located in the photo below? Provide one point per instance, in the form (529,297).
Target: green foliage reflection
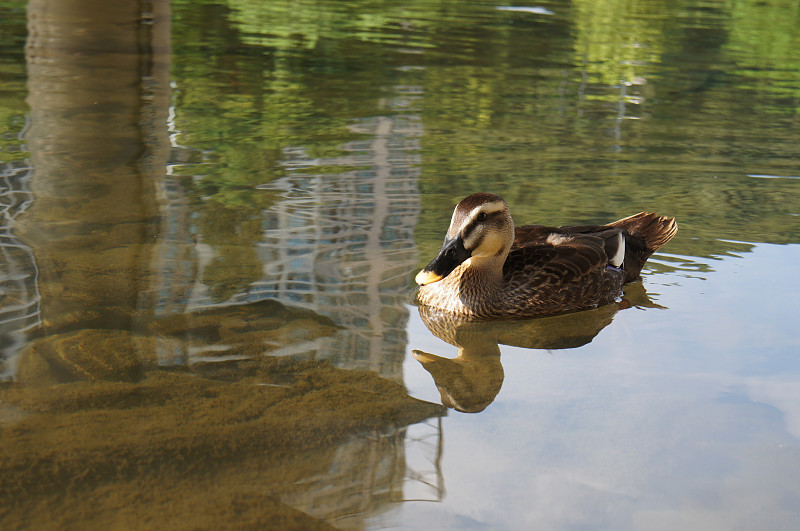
(599,110)
(12,80)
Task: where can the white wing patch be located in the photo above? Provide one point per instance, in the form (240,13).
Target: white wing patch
(619,256)
(557,239)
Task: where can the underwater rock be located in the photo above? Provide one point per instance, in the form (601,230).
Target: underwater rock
(86,355)
(181,451)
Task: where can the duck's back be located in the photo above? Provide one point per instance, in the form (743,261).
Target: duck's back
(643,233)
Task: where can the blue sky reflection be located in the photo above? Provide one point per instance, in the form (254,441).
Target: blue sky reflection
(681,418)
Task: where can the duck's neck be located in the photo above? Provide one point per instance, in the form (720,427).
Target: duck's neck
(485,273)
(472,289)
(481,285)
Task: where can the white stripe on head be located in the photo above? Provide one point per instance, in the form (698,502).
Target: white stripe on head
(489,208)
(484,239)
(461,219)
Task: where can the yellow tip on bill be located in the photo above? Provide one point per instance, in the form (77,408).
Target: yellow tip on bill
(427,277)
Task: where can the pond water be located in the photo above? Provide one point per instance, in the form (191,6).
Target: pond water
(213,211)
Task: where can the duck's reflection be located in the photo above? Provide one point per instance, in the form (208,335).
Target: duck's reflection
(471,381)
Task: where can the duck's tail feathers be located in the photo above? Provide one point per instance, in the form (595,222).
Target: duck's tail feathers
(656,230)
(646,232)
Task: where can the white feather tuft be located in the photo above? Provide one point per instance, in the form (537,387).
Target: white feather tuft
(619,256)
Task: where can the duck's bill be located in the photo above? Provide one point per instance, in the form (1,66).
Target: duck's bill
(451,255)
(427,277)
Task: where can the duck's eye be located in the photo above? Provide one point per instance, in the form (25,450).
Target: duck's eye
(482,216)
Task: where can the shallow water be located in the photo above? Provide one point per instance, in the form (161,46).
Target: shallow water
(211,218)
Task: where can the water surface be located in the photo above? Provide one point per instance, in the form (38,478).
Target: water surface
(212,214)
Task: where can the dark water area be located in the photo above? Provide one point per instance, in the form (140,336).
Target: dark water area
(211,215)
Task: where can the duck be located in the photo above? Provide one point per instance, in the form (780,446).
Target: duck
(487,268)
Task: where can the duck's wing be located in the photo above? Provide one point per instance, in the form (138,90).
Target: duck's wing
(559,258)
(629,242)
(565,273)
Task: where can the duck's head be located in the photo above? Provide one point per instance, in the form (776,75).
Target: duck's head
(481,232)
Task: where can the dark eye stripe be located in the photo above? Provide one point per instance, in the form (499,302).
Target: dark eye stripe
(480,218)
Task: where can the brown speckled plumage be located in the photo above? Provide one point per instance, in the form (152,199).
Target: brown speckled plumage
(488,269)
